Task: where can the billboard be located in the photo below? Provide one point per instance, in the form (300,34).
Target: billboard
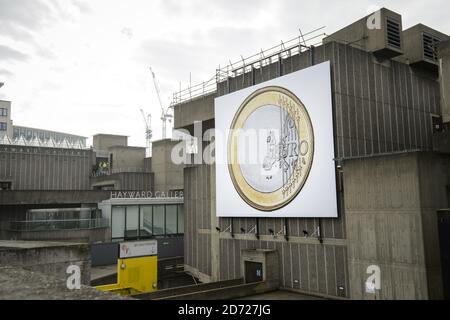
(275,148)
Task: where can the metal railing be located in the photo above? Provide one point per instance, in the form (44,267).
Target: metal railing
(53,225)
(108,172)
(266,57)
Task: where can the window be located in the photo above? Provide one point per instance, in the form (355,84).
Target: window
(436,122)
(171,219)
(158,221)
(146,224)
(3,112)
(132,221)
(118,223)
(5,185)
(180,219)
(3,126)
(146,221)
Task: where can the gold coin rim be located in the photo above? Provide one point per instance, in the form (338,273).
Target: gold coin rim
(251,196)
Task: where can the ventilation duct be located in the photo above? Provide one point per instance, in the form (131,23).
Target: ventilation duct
(379,33)
(420,46)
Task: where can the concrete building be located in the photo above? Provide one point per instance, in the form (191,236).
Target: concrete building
(42,168)
(119,166)
(172,179)
(5,119)
(387,115)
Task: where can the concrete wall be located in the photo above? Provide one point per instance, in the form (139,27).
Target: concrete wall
(50,258)
(81,236)
(127,158)
(36,168)
(53,197)
(444,64)
(378,107)
(200,109)
(125,181)
(6,119)
(168,176)
(391,205)
(103,142)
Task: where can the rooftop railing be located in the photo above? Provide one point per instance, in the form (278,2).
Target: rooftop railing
(266,57)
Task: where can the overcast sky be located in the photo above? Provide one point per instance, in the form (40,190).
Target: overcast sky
(82,66)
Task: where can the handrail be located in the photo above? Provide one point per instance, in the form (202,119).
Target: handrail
(51,225)
(264,57)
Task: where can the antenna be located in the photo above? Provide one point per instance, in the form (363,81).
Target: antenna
(165,115)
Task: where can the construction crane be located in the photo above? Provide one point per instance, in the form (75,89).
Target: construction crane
(165,115)
(148,131)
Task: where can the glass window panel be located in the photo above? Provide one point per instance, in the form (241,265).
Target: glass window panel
(180,219)
(132,221)
(146,221)
(118,222)
(171,219)
(158,220)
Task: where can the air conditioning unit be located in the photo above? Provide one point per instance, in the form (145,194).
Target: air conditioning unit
(420,46)
(379,33)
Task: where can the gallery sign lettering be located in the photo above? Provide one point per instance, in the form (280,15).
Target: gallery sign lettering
(146,194)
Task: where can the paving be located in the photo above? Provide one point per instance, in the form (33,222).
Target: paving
(281,295)
(103,271)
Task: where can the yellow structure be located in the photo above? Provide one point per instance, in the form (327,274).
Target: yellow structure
(134,274)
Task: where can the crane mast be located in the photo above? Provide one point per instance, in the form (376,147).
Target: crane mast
(148,131)
(165,115)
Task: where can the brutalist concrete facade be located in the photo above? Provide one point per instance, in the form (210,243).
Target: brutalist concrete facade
(391,207)
(40,168)
(380,106)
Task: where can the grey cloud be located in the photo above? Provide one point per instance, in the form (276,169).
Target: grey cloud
(218,9)
(7,53)
(172,59)
(20,18)
(45,53)
(82,6)
(24,13)
(6,73)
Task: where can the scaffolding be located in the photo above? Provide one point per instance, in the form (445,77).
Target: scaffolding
(284,50)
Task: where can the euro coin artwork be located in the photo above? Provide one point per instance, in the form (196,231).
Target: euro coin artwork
(270,148)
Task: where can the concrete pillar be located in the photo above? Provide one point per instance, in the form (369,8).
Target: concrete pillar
(215,236)
(444,75)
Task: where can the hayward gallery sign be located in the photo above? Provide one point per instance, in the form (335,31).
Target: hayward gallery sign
(146,194)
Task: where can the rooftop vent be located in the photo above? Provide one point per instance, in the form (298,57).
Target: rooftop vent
(394,34)
(384,39)
(430,46)
(420,46)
